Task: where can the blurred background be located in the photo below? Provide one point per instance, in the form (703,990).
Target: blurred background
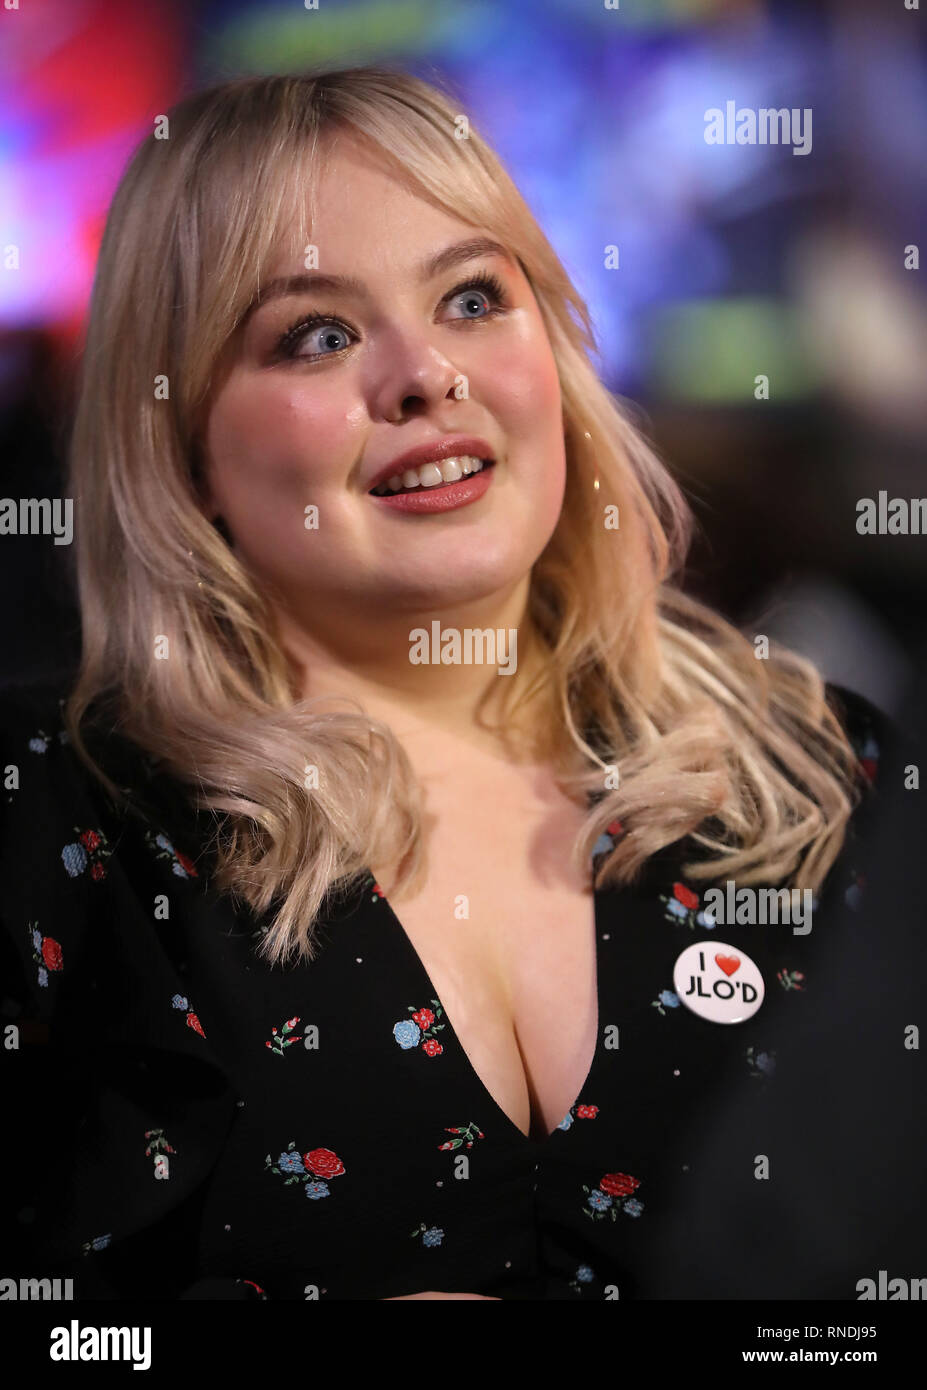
(734,261)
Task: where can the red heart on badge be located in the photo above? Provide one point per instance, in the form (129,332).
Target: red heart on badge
(728,963)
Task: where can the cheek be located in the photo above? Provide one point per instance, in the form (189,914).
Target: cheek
(523,393)
(523,388)
(270,437)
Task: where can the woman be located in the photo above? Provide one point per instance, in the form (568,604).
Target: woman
(397,768)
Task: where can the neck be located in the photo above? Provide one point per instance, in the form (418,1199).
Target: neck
(393,666)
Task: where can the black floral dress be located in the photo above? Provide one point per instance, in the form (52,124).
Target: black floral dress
(188,1122)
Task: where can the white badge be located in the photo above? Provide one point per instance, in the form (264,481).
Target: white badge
(718,982)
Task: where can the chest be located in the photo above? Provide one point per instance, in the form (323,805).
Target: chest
(503,923)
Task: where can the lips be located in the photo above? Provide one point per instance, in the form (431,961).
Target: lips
(432,453)
(432,501)
(466,467)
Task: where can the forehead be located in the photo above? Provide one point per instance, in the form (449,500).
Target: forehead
(357,210)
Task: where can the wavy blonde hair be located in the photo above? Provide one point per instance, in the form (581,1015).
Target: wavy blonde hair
(743,755)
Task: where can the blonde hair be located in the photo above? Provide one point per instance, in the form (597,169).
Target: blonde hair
(743,755)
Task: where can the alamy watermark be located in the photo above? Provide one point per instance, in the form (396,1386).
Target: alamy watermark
(877,516)
(763,126)
(470,646)
(38,516)
(891,1289)
(76,1343)
(31,1290)
(747,907)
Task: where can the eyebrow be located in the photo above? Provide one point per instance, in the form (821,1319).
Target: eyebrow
(426,270)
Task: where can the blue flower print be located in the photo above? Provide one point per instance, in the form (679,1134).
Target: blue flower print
(421,1030)
(290,1163)
(46,952)
(706,919)
(598,1200)
(682,906)
(39,745)
(181,865)
(177,867)
(761,1063)
(609,837)
(307,1168)
(612,1196)
(431,1235)
(74,858)
(91,848)
(584,1275)
(567,1121)
(98,1243)
(869,758)
(666,999)
(854,895)
(406,1033)
(179,1002)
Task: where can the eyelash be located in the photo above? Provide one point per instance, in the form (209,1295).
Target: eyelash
(487,283)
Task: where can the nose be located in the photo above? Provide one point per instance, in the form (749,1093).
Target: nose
(411,377)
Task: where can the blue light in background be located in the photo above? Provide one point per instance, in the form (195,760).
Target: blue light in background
(598,114)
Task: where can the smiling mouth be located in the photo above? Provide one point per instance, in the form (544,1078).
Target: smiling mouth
(432,475)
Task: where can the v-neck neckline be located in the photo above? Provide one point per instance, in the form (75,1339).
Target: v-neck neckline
(409,946)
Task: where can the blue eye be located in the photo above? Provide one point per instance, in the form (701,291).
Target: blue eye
(328,339)
(332,332)
(473,297)
(482,286)
(485,286)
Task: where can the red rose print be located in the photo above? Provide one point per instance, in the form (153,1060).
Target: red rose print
(378,890)
(51,953)
(323,1163)
(90,839)
(193,1022)
(424,1018)
(618,1184)
(685,896)
(586,1112)
(97,871)
(185,864)
(614,828)
(432,1047)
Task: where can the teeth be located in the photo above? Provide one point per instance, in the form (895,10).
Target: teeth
(431,474)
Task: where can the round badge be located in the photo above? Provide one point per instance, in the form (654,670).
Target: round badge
(718,982)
